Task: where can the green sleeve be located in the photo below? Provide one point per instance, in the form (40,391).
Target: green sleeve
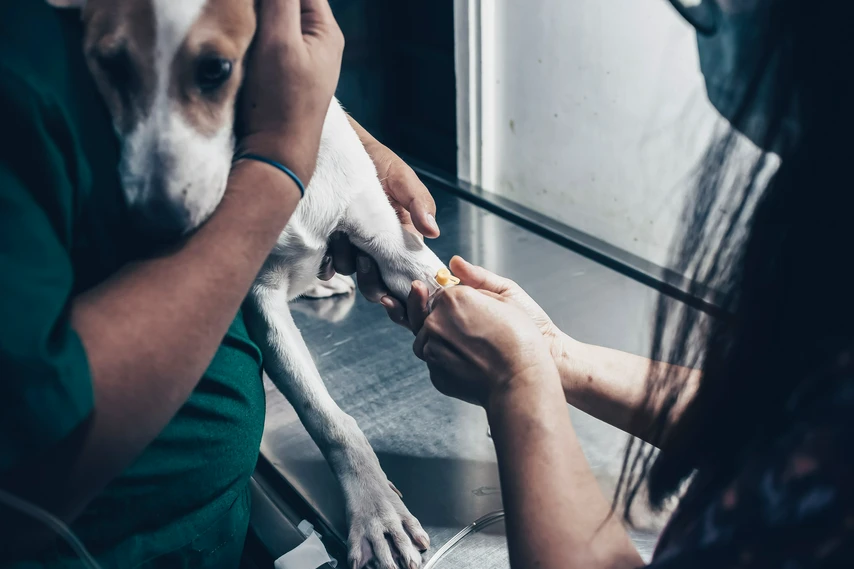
(45,384)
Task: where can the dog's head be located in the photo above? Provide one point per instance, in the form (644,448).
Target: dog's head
(169,71)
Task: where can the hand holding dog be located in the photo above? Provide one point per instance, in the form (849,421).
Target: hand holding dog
(292,73)
(414,206)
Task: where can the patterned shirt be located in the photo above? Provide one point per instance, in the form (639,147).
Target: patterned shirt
(789,506)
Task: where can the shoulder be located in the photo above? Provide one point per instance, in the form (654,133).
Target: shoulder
(33,41)
(39,141)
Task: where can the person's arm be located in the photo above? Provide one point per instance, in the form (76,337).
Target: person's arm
(556,514)
(612,385)
(608,384)
(150,331)
(483,349)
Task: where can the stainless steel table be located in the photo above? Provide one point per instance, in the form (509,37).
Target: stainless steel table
(435,449)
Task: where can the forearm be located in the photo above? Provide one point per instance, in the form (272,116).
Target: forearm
(555,509)
(612,385)
(151,331)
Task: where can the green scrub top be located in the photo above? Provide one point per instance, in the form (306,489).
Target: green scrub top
(63,229)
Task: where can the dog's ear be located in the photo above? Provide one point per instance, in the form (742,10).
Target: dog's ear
(67,3)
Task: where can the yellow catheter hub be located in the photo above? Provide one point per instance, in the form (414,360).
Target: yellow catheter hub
(445,278)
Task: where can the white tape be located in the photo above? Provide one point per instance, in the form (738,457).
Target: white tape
(310,554)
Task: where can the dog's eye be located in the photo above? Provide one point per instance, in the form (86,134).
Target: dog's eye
(118,69)
(212,73)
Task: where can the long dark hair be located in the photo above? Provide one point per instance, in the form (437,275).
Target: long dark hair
(775,251)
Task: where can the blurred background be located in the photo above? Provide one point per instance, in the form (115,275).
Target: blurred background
(590,113)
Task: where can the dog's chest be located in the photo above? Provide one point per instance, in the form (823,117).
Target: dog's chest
(344,174)
(299,251)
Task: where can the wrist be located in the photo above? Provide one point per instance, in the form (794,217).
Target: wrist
(559,344)
(529,388)
(264,185)
(576,375)
(296,153)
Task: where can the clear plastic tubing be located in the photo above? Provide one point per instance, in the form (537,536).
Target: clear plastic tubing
(474,527)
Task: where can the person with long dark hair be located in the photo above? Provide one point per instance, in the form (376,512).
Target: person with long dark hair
(751,425)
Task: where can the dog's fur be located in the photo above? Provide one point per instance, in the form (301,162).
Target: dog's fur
(177,147)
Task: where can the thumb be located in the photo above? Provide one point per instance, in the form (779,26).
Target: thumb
(478,277)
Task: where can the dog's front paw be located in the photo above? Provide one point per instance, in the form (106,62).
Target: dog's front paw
(382,531)
(338,285)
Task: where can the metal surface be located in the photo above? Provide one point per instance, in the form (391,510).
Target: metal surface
(273,521)
(664,280)
(435,449)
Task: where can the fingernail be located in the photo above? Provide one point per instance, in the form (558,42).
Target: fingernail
(431,221)
(387,302)
(364,264)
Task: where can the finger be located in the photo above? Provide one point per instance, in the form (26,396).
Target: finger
(326,271)
(343,253)
(396,311)
(369,279)
(422,210)
(437,351)
(413,195)
(491,294)
(416,305)
(421,340)
(478,277)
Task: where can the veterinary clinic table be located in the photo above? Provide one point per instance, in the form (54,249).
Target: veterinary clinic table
(437,450)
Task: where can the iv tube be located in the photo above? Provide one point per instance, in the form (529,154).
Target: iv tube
(53,523)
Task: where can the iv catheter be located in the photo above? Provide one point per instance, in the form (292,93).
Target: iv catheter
(444,279)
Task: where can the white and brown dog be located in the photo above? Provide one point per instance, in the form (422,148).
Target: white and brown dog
(170,71)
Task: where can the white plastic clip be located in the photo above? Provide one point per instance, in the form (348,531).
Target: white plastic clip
(310,554)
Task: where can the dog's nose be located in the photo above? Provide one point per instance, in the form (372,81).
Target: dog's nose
(160,219)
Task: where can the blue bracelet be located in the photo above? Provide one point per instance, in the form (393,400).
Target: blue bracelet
(276,165)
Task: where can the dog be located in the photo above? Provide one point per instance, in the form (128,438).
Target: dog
(169,72)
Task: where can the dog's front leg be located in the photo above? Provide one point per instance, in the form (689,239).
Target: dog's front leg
(381,526)
(401,256)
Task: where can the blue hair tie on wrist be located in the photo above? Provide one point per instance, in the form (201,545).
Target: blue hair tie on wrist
(278,166)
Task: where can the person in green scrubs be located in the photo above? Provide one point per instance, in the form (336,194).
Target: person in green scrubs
(131,400)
